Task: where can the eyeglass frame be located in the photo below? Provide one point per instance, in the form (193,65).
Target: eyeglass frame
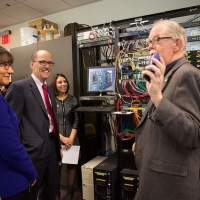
(6,66)
(156,40)
(50,63)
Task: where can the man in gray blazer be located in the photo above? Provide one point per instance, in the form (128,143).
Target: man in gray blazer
(167,147)
(37,132)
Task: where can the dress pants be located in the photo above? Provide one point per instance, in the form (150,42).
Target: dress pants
(47,168)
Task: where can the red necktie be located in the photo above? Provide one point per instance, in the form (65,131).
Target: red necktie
(49,108)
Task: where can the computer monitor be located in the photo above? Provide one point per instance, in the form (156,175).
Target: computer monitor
(101,79)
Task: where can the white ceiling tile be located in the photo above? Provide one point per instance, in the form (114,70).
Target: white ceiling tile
(5,3)
(21,12)
(78,2)
(25,10)
(20,0)
(7,21)
(48,6)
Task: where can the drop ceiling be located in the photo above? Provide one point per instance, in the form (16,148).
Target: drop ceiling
(17,11)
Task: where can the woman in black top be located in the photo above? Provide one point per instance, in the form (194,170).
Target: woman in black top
(68,125)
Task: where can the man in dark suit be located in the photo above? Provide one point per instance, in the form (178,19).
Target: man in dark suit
(38,129)
(167,147)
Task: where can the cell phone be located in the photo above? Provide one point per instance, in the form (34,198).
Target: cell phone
(155,55)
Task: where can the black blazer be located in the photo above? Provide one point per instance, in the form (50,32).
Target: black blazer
(25,99)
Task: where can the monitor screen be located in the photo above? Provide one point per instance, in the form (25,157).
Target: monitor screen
(101,79)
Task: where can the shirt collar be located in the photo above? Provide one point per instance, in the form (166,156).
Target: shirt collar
(168,67)
(37,81)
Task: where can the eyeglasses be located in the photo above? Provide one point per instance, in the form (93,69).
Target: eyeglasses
(155,40)
(6,65)
(44,63)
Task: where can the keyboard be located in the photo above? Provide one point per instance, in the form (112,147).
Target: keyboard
(97,98)
(100,109)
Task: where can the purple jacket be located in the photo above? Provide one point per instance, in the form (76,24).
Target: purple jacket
(16,168)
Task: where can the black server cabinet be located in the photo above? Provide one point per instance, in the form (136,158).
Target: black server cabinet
(106,179)
(129,182)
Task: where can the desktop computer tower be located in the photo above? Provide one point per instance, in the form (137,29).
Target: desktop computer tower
(87,177)
(106,179)
(126,159)
(129,182)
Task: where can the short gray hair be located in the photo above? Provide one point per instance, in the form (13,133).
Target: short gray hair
(174,29)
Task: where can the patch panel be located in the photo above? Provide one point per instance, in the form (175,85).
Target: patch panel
(194,38)
(133,33)
(143,57)
(143,60)
(96,35)
(105,29)
(192,31)
(192,46)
